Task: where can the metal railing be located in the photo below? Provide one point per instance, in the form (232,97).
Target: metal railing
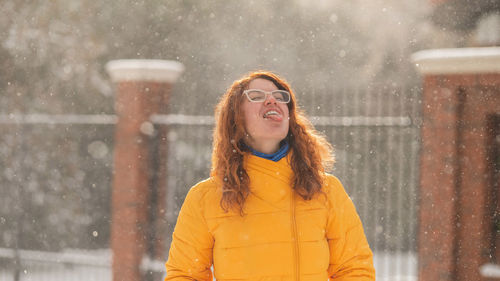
(376,145)
(24,265)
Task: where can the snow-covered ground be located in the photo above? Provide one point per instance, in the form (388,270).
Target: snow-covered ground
(69,265)
(95,266)
(395,266)
(60,272)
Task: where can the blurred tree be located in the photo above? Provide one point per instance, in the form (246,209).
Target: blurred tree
(463,15)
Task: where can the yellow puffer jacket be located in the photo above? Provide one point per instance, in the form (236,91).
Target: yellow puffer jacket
(280,237)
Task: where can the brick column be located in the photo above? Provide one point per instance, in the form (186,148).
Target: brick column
(461,92)
(142,89)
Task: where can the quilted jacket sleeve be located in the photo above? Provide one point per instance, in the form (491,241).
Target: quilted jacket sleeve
(190,256)
(350,254)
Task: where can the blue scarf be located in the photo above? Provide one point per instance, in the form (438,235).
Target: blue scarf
(275,156)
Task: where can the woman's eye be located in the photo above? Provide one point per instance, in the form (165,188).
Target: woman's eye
(256,96)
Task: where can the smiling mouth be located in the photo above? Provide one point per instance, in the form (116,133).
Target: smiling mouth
(273,115)
(270,113)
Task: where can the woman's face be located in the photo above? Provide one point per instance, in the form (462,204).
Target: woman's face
(267,122)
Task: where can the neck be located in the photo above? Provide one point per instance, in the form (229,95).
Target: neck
(267,147)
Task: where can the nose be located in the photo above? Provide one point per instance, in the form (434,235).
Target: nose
(270,99)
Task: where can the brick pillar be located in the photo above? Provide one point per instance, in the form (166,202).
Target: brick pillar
(142,88)
(461,92)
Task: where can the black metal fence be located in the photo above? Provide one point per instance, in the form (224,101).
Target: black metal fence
(56,179)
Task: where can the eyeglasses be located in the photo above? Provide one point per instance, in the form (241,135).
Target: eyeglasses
(255,95)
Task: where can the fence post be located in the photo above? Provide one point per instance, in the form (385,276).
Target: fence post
(142,89)
(461,93)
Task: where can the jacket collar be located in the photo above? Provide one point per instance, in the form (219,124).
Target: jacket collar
(280,170)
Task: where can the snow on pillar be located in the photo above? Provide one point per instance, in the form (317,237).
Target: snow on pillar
(461,98)
(142,89)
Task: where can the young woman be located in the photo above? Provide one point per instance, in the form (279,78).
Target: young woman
(269,211)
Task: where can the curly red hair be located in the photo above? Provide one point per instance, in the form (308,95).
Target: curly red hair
(311,154)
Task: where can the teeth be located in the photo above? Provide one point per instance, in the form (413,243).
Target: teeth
(271,112)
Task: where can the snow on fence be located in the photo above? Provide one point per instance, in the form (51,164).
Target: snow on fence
(180,119)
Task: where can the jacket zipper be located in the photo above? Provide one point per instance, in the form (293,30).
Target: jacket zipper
(295,238)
